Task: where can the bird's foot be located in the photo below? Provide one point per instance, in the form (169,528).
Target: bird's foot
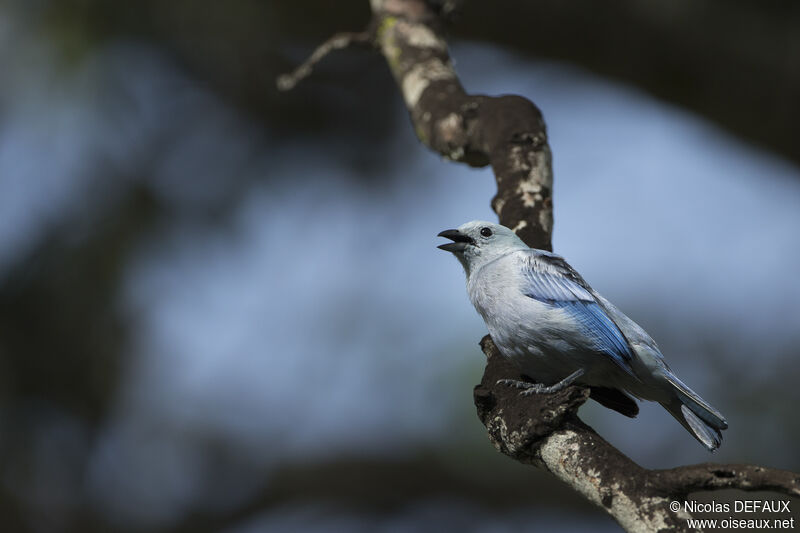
(519,384)
(540,388)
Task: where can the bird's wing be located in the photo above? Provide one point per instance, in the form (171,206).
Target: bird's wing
(552,281)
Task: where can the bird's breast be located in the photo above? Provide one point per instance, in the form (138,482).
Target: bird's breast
(517,323)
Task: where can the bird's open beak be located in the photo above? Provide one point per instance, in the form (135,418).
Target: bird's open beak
(460,241)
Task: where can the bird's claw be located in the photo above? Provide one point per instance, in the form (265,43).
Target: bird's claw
(530,389)
(536,388)
(514,383)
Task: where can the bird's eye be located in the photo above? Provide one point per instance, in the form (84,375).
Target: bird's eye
(486,232)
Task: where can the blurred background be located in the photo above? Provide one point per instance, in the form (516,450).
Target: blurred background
(222,308)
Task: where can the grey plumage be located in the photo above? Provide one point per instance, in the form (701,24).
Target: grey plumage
(543,315)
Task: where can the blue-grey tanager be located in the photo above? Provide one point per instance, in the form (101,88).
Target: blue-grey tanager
(542,315)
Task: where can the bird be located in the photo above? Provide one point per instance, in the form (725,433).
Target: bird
(544,317)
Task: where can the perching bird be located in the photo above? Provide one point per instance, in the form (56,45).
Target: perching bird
(542,315)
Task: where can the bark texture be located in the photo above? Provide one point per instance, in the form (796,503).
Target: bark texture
(508,133)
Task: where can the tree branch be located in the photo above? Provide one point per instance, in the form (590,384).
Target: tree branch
(339,41)
(508,133)
(544,431)
(709,476)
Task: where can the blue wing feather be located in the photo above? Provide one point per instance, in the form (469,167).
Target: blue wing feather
(557,284)
(608,338)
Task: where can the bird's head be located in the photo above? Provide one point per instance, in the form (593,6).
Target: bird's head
(476,243)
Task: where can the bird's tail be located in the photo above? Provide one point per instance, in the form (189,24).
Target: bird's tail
(700,419)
